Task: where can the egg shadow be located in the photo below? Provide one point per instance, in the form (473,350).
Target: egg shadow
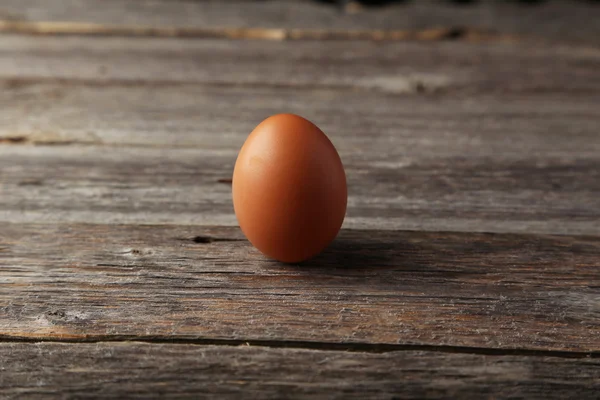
(396,260)
(355,252)
(393,262)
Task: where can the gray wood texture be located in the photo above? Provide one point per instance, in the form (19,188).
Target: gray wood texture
(389,189)
(474,119)
(393,288)
(410,131)
(166,371)
(469,119)
(556,20)
(392,67)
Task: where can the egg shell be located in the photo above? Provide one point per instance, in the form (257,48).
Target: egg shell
(289,189)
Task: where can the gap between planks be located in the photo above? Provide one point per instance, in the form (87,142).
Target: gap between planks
(550,21)
(93,29)
(373,348)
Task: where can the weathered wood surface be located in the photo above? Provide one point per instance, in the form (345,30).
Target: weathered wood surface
(498,136)
(394,288)
(394,67)
(558,21)
(410,187)
(377,125)
(411,150)
(141,370)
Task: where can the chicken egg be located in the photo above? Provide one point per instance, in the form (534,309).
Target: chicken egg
(289,189)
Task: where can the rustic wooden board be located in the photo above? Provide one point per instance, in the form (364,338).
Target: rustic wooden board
(497,136)
(392,67)
(396,288)
(142,370)
(410,151)
(398,189)
(380,126)
(530,141)
(562,21)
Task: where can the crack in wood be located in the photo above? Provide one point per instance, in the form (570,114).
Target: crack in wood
(13,140)
(417,85)
(356,347)
(277,34)
(208,239)
(31,182)
(202,239)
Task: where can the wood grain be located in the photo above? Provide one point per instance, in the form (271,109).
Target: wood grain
(128,132)
(96,282)
(141,370)
(396,68)
(559,21)
(397,189)
(374,124)
(410,149)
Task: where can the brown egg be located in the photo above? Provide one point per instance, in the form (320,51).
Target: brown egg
(289,188)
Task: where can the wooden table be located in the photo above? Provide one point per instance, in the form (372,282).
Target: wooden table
(469,262)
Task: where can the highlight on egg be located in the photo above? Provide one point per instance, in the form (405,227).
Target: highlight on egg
(289,189)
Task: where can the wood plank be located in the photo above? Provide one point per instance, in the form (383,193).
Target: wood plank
(371,123)
(98,282)
(396,68)
(562,21)
(410,157)
(141,370)
(501,193)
